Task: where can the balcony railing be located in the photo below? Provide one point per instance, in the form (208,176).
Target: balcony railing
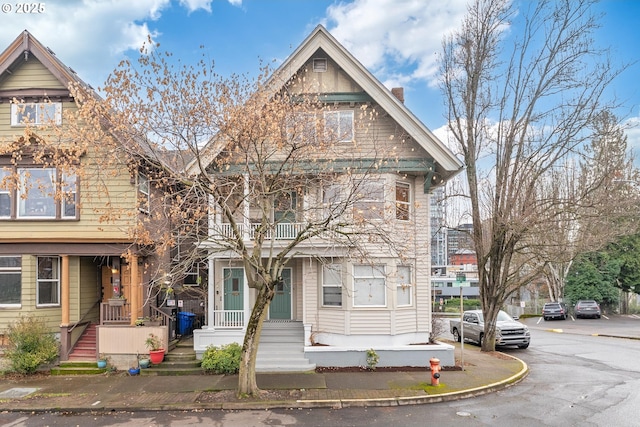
(281,231)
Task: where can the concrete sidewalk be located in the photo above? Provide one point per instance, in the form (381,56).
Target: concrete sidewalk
(483,373)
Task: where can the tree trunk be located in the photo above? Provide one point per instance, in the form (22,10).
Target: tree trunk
(247,385)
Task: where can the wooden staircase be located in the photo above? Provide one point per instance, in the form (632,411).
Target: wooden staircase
(83,357)
(85,348)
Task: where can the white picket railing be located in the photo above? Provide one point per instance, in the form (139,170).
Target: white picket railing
(228,319)
(282,231)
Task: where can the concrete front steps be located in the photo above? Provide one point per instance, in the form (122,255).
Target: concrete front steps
(181,360)
(282,348)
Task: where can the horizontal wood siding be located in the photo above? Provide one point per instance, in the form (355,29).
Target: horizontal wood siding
(32,74)
(405,321)
(332,321)
(363,322)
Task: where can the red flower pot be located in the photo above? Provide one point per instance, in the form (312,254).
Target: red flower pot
(156,356)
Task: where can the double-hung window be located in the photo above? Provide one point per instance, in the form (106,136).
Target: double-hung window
(332,285)
(5,194)
(338,125)
(48,286)
(69,196)
(404,287)
(369,286)
(36,113)
(143,192)
(10,280)
(369,200)
(403,201)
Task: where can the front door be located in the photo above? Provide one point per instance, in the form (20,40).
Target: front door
(233,293)
(280,307)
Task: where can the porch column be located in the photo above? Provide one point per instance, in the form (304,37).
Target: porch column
(211,294)
(133,270)
(65,335)
(64,290)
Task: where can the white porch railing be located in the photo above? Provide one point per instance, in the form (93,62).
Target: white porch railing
(282,231)
(228,319)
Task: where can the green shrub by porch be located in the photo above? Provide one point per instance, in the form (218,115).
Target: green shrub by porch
(30,345)
(222,360)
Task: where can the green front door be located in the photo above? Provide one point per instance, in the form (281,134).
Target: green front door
(280,307)
(233,294)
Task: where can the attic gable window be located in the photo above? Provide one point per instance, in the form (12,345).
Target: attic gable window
(40,113)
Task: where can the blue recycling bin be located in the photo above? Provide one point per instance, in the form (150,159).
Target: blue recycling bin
(185,322)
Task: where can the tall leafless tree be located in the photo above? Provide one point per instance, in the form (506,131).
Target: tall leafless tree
(522,88)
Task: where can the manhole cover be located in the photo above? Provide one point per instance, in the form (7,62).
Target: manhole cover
(14,393)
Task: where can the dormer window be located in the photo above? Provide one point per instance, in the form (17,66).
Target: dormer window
(319,65)
(36,113)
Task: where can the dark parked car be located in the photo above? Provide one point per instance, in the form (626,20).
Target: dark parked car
(587,308)
(555,310)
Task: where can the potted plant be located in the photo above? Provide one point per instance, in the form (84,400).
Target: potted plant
(102,361)
(117,301)
(156,352)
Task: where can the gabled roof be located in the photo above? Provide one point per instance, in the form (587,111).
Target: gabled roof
(24,46)
(447,163)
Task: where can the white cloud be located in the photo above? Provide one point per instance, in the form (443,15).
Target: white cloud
(193,5)
(406,35)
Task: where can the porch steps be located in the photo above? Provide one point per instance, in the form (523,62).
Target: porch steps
(78,368)
(281,348)
(180,360)
(85,348)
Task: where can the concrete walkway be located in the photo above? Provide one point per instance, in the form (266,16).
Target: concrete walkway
(483,373)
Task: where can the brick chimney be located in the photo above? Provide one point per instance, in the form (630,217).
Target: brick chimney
(398,92)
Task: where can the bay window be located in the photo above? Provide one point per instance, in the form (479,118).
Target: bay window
(369,203)
(404,288)
(369,286)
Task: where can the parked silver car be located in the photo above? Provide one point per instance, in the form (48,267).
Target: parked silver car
(555,310)
(587,308)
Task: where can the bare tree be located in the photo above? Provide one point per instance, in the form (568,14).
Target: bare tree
(232,159)
(519,107)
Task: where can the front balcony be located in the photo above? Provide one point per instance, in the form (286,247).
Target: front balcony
(280,231)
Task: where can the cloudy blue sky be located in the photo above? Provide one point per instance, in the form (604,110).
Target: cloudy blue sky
(398,40)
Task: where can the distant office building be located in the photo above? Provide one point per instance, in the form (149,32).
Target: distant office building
(459,239)
(438,229)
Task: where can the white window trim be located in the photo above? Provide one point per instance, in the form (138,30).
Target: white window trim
(366,202)
(20,192)
(70,181)
(54,281)
(377,268)
(12,270)
(349,135)
(407,204)
(338,268)
(6,191)
(402,286)
(141,178)
(16,107)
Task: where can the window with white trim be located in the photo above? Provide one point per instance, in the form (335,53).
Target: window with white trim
(301,128)
(338,125)
(369,286)
(36,193)
(369,200)
(404,285)
(332,285)
(10,280)
(69,196)
(403,201)
(36,113)
(143,192)
(331,199)
(5,194)
(48,286)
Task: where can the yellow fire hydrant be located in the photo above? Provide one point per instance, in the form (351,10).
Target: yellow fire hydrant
(435,371)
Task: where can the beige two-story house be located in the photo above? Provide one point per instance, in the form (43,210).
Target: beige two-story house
(333,304)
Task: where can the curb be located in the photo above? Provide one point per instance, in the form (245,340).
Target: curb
(188,402)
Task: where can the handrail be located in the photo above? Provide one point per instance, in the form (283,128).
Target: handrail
(156,312)
(84,315)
